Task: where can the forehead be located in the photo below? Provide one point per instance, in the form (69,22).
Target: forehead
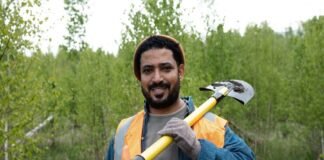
(157,56)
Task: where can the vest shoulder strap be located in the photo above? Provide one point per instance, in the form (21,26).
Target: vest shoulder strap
(129,131)
(119,136)
(212,128)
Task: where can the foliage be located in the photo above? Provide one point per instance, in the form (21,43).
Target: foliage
(77,19)
(22,97)
(89,92)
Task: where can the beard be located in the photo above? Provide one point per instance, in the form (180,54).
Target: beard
(171,98)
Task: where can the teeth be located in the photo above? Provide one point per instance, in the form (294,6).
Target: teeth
(158,90)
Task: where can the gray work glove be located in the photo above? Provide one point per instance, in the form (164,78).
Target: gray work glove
(183,136)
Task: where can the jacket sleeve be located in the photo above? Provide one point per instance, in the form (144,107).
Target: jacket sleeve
(110,151)
(234,149)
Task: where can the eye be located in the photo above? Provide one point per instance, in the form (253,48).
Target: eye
(147,70)
(167,68)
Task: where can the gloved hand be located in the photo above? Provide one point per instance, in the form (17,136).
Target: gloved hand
(183,136)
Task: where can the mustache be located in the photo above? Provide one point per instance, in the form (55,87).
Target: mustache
(159,85)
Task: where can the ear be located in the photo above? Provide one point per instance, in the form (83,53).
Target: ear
(181,71)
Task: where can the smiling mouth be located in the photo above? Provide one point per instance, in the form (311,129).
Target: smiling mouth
(158,91)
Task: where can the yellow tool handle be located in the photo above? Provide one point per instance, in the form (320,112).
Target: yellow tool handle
(157,147)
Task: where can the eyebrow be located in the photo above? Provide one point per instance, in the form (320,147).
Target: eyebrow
(166,64)
(160,64)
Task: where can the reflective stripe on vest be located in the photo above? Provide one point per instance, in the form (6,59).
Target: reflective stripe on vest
(212,128)
(119,137)
(129,134)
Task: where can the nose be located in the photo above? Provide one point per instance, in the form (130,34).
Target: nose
(157,77)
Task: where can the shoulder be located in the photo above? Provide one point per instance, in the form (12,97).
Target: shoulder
(213,118)
(211,123)
(126,122)
(212,128)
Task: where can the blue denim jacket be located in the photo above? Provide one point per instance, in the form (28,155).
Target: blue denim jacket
(234,147)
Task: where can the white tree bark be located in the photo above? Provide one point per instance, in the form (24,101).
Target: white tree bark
(6,143)
(40,126)
(322,142)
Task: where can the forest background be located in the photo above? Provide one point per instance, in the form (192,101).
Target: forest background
(67,105)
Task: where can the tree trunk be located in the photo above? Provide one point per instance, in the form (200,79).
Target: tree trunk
(6,142)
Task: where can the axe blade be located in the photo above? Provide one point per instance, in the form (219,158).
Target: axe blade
(244,95)
(238,89)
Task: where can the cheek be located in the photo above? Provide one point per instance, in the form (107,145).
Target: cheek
(144,84)
(174,79)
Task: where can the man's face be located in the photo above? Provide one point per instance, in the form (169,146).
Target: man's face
(160,77)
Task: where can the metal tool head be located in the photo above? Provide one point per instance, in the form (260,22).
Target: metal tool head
(238,89)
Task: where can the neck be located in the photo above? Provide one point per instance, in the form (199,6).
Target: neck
(167,110)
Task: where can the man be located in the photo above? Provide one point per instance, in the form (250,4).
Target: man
(159,66)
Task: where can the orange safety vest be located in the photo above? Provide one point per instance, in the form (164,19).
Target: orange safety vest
(129,134)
